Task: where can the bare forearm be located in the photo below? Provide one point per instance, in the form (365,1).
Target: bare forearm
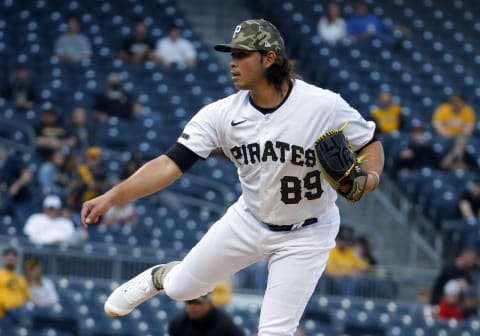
(373,164)
(151,177)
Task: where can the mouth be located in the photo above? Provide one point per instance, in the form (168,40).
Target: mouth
(235,75)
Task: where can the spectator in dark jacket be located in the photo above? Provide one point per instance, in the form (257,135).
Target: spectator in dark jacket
(20,89)
(460,269)
(114,102)
(15,183)
(201,317)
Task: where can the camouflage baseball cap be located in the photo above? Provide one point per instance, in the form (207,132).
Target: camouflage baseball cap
(255,35)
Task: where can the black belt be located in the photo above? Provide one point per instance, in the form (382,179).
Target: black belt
(293,227)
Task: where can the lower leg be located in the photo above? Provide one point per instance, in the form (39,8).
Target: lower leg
(160,272)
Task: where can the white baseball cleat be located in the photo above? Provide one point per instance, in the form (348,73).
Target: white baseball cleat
(130,294)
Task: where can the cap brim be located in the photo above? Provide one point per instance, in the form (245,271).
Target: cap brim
(229,46)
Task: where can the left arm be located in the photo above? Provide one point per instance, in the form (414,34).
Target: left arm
(373,164)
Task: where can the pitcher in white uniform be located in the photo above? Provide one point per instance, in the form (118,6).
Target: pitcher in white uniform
(286,213)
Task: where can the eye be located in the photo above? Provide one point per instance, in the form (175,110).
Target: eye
(240,54)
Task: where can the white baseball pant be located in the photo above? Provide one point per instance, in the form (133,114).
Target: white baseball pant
(296,260)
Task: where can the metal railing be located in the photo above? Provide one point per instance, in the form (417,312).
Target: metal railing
(110,262)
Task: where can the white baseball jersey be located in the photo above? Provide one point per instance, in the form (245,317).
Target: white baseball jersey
(274,152)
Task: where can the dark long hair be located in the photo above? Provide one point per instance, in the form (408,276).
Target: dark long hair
(280,71)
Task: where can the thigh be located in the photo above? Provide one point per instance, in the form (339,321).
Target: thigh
(294,271)
(230,245)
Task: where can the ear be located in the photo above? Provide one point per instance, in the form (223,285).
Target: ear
(269,59)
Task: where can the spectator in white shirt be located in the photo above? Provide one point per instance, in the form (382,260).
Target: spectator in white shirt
(332,27)
(42,290)
(73,46)
(49,226)
(175,50)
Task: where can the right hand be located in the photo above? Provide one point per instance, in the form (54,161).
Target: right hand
(94,208)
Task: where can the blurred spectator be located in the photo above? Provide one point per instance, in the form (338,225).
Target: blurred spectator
(52,176)
(120,215)
(222,293)
(20,89)
(455,158)
(332,27)
(469,203)
(73,46)
(201,317)
(343,260)
(387,115)
(3,192)
(114,101)
(132,165)
(363,25)
(139,47)
(14,291)
(450,306)
(344,265)
(454,118)
(16,183)
(418,152)
(363,249)
(175,50)
(81,129)
(89,180)
(423,296)
(42,290)
(461,270)
(51,133)
(470,303)
(49,227)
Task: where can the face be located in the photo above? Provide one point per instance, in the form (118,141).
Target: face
(333,10)
(247,68)
(33,272)
(49,118)
(79,116)
(385,98)
(470,258)
(451,298)
(361,9)
(175,33)
(21,74)
(196,310)
(10,260)
(58,158)
(73,25)
(52,212)
(140,29)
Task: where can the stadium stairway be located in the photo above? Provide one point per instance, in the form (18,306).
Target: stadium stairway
(218,26)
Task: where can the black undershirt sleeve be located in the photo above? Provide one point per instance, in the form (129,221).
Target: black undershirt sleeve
(182,156)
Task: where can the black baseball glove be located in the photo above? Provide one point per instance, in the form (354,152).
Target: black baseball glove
(340,165)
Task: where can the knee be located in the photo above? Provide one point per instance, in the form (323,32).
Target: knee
(181,286)
(182,294)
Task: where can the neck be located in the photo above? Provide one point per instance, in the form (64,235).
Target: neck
(267,96)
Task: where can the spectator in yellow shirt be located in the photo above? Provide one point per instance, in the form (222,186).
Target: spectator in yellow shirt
(387,115)
(13,287)
(343,264)
(343,260)
(454,118)
(222,293)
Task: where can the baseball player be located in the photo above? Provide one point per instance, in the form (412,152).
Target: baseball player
(286,213)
